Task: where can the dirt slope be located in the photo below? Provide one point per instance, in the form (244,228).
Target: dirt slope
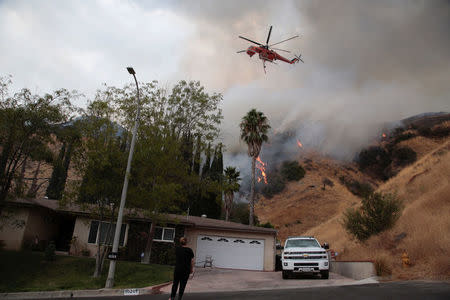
(306,204)
(423,230)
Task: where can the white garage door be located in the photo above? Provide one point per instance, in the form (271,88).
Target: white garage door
(234,253)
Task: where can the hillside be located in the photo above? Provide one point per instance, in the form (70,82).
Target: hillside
(422,230)
(305,204)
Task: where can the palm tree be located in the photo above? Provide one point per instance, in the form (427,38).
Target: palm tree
(231,185)
(254,127)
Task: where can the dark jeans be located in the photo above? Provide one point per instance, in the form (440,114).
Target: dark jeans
(179,279)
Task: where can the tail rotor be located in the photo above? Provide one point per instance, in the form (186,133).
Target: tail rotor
(299,58)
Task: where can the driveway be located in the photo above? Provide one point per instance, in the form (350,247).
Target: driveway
(215,280)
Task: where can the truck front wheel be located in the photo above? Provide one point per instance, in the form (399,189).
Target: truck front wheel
(324,274)
(285,274)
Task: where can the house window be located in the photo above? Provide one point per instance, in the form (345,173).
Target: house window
(99,232)
(255,242)
(222,240)
(239,241)
(164,234)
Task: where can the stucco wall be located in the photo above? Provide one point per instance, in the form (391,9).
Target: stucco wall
(269,242)
(41,224)
(81,232)
(14,221)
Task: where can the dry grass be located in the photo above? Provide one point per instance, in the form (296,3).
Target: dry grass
(421,145)
(305,204)
(382,265)
(425,223)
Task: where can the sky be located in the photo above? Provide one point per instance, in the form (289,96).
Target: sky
(366,62)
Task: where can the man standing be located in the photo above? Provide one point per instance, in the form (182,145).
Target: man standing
(184,265)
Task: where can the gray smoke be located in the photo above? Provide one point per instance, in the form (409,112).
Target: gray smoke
(366,63)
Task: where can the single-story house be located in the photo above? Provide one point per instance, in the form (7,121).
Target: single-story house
(32,223)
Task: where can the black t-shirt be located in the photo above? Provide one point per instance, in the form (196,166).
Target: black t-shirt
(184,256)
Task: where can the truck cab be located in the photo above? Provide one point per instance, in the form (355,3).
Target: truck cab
(304,254)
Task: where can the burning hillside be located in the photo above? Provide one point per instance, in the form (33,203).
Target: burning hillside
(311,207)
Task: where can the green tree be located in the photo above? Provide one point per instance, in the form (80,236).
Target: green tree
(69,136)
(377,213)
(27,122)
(159,173)
(40,154)
(100,161)
(254,127)
(230,186)
(162,176)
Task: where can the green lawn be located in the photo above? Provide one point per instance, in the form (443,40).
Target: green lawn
(28,271)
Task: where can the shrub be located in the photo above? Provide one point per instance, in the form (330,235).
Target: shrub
(266,225)
(327,181)
(275,186)
(382,267)
(360,189)
(378,212)
(374,156)
(404,156)
(404,137)
(85,252)
(425,131)
(50,251)
(292,171)
(441,131)
(375,160)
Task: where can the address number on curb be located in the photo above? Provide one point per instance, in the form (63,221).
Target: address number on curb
(131,292)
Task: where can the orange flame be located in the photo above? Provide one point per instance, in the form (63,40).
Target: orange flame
(383,135)
(300,145)
(262,168)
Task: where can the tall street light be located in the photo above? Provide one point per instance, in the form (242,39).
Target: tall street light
(115,247)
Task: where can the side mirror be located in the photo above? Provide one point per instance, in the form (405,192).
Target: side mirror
(325,246)
(279,247)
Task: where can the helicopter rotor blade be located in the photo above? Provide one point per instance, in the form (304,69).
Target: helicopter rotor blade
(281,50)
(250,40)
(284,40)
(268,36)
(241,51)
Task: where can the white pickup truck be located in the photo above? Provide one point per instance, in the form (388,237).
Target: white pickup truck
(304,254)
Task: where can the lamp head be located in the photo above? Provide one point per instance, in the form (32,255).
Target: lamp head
(131,70)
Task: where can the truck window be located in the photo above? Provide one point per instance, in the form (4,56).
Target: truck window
(301,243)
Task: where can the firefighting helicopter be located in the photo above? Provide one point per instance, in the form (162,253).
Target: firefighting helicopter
(267,53)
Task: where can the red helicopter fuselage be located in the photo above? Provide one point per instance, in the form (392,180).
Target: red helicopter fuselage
(268,55)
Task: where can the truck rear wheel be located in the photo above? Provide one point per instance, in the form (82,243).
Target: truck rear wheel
(324,274)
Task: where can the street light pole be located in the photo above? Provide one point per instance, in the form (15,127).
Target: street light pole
(115,247)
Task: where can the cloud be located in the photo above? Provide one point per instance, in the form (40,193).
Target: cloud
(80,45)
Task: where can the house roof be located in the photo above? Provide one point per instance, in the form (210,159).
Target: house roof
(134,214)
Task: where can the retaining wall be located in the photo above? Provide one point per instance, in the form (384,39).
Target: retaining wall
(354,269)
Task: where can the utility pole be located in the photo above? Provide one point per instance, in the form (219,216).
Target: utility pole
(115,247)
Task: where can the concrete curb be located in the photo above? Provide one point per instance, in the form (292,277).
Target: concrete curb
(151,290)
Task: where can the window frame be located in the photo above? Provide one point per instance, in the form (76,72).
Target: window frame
(97,236)
(162,234)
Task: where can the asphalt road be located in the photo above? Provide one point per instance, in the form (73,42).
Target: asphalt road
(410,290)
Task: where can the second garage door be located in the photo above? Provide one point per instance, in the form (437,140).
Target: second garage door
(227,252)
